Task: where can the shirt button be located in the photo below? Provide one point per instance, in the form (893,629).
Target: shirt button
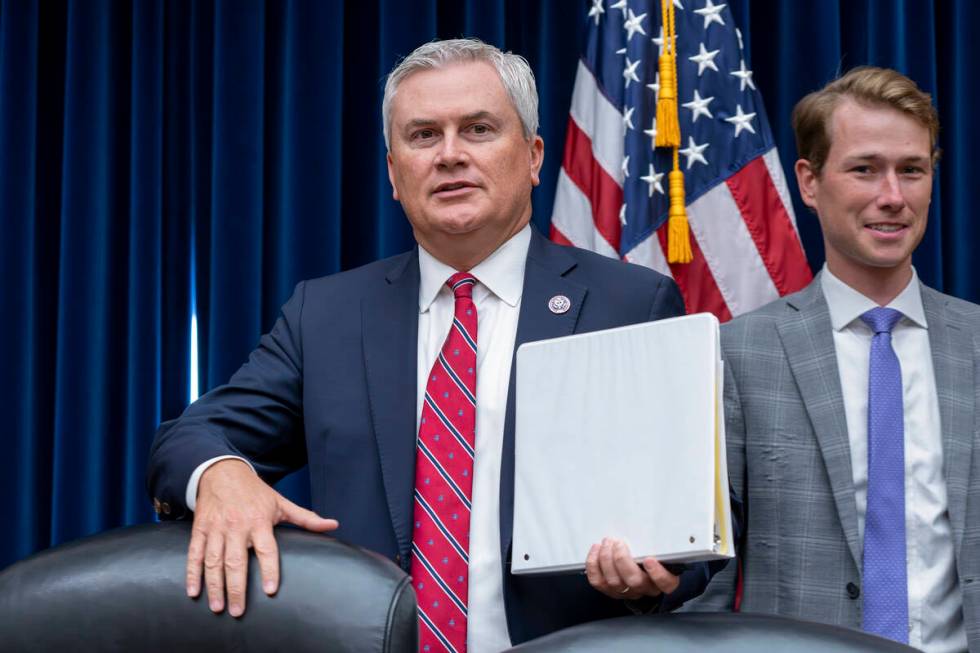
(853,591)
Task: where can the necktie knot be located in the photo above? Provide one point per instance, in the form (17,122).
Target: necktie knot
(461,284)
(881,319)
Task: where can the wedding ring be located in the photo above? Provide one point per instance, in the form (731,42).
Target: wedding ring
(625,589)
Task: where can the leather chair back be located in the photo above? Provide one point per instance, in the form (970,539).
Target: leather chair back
(710,632)
(123,590)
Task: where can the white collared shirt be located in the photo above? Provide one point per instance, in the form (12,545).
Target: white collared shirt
(497,296)
(935,601)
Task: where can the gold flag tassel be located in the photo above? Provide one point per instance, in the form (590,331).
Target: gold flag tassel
(678,231)
(669,135)
(668,125)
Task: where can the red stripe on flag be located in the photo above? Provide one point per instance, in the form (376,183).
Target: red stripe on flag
(558,237)
(603,192)
(770,227)
(696,283)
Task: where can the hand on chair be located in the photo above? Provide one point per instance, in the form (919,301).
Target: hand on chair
(236,511)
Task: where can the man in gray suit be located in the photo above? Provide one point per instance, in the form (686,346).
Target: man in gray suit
(852,405)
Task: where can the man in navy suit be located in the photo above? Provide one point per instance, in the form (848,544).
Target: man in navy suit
(339,382)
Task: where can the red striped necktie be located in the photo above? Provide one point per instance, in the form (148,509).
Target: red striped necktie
(444,481)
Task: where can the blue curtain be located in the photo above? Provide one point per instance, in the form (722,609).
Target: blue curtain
(159,158)
(94,273)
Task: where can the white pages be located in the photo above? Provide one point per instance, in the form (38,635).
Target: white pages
(621,433)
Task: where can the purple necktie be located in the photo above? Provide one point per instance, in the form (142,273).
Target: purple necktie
(886,608)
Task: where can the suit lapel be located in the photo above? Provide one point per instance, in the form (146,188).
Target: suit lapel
(807,338)
(390,332)
(543,279)
(952,347)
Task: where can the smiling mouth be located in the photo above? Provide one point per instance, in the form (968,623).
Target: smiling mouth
(886,228)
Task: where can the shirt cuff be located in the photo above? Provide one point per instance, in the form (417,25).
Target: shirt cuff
(190,497)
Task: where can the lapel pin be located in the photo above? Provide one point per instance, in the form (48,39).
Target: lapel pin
(559,304)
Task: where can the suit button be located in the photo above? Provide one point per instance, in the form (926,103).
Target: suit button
(398,558)
(853,591)
(165,507)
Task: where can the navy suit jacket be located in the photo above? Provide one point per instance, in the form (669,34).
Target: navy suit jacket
(334,385)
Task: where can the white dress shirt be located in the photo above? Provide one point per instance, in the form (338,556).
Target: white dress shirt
(935,601)
(497,296)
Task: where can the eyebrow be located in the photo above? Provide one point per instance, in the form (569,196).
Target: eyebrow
(872,156)
(417,123)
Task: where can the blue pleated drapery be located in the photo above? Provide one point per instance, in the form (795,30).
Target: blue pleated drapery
(163,157)
(93,267)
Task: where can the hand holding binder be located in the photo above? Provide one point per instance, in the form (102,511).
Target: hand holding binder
(611,569)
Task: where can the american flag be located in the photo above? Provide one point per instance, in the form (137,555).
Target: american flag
(612,189)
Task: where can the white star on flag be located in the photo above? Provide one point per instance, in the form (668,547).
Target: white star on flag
(659,40)
(711,13)
(652,132)
(741,120)
(632,25)
(630,72)
(596,10)
(693,152)
(628,118)
(699,106)
(626,166)
(622,214)
(653,181)
(655,87)
(705,59)
(619,5)
(744,75)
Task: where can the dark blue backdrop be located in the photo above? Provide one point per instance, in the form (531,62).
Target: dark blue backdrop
(148,148)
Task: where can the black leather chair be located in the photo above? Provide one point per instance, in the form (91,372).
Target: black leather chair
(124,591)
(710,633)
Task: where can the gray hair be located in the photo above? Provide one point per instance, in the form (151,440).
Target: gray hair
(513,69)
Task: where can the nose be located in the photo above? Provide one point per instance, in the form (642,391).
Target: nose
(890,195)
(452,151)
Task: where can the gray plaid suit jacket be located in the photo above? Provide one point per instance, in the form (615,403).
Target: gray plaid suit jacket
(789,459)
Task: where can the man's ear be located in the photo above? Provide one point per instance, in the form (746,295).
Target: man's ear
(537,158)
(807,180)
(391,177)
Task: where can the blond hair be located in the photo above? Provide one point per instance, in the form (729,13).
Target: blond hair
(867,85)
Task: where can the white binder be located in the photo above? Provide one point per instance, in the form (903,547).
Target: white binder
(621,433)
